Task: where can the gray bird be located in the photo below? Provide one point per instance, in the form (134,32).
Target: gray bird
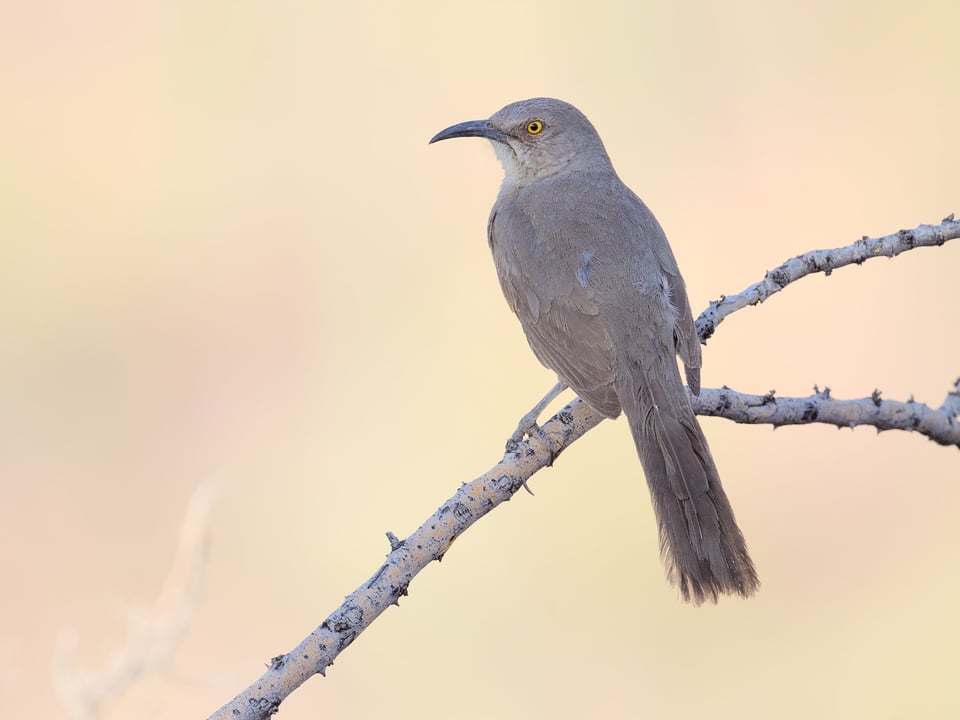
(587,269)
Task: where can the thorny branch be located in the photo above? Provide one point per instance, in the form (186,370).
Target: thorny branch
(825,261)
(475,499)
(941,424)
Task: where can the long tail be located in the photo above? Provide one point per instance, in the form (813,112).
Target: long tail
(701,546)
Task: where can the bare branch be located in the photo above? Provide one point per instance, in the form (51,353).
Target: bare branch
(942,425)
(825,261)
(475,499)
(285,673)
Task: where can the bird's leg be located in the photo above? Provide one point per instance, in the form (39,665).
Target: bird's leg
(528,423)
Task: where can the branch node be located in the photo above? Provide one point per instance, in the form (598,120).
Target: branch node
(395,542)
(908,238)
(398,592)
(706,331)
(778,277)
(875,397)
(265,706)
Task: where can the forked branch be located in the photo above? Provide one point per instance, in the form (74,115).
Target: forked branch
(475,499)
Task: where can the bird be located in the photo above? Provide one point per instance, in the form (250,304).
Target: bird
(589,273)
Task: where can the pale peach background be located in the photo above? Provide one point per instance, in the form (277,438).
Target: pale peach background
(228,249)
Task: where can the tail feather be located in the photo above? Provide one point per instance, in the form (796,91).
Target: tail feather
(702,548)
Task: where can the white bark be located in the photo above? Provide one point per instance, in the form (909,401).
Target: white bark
(475,499)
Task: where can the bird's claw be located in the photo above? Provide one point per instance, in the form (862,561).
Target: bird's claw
(528,428)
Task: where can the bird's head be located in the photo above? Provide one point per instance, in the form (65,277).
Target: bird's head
(536,138)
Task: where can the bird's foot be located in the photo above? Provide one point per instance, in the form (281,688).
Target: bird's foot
(528,427)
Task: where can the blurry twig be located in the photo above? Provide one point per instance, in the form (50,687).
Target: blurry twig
(152,635)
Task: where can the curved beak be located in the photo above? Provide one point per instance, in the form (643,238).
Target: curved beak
(471,128)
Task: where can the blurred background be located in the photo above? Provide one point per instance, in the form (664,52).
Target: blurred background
(226,250)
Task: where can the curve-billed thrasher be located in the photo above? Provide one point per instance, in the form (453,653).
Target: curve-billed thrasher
(588,271)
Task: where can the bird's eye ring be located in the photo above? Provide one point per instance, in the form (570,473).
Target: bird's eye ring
(534,127)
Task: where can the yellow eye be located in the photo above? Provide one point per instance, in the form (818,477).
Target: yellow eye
(534,126)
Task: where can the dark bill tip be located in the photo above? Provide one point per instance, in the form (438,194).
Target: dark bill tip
(471,128)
